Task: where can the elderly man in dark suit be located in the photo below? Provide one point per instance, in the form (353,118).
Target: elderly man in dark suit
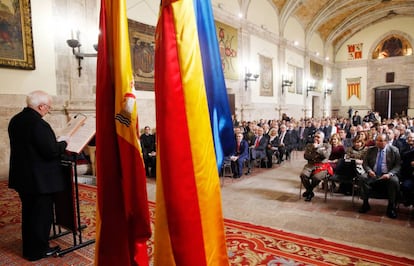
(36,173)
(382,165)
(258,147)
(285,143)
(240,155)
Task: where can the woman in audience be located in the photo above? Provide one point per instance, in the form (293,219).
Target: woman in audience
(272,146)
(366,136)
(338,150)
(351,167)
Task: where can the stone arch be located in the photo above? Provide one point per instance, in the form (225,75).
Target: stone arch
(392,43)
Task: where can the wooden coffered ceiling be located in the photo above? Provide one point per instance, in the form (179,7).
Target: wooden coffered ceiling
(337,20)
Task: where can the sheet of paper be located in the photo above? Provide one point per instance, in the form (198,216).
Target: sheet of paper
(82,135)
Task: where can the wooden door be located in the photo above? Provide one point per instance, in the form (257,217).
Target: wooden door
(391,101)
(232,103)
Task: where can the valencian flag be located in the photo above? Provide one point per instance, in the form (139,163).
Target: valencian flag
(123,224)
(354,87)
(194,131)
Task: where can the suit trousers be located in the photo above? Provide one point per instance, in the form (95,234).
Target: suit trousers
(309,179)
(369,184)
(37,219)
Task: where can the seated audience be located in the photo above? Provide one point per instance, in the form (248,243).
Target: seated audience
(239,156)
(285,143)
(148,151)
(407,172)
(381,165)
(317,154)
(258,149)
(351,166)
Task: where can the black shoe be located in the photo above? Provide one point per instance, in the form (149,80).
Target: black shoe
(52,251)
(307,193)
(391,213)
(248,172)
(309,196)
(49,252)
(364,208)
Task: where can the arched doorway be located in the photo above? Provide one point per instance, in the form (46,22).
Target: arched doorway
(391,100)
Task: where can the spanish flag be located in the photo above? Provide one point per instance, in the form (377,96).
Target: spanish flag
(194,132)
(123,224)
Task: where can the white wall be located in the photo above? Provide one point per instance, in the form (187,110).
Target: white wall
(294,32)
(316,46)
(264,15)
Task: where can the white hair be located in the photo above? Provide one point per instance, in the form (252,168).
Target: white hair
(36,98)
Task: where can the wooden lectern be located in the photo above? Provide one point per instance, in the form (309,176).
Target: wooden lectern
(67,207)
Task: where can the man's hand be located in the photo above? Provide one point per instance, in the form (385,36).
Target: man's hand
(63,138)
(371,174)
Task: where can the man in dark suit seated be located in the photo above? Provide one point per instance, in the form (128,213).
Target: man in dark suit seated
(407,172)
(382,165)
(285,143)
(258,149)
(148,151)
(240,155)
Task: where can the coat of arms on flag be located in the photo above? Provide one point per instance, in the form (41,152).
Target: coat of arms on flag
(353,87)
(354,51)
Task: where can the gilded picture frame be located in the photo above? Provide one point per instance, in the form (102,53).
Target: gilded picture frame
(16,37)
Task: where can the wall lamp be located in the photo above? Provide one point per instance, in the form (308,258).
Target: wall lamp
(286,82)
(328,90)
(249,77)
(310,87)
(75,45)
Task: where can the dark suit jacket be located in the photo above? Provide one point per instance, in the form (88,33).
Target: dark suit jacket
(262,143)
(147,144)
(393,159)
(288,140)
(35,155)
(244,150)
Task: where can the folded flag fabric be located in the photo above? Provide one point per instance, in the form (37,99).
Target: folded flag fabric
(193,135)
(123,224)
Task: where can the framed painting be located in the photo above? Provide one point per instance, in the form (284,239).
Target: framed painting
(142,42)
(16,39)
(227,37)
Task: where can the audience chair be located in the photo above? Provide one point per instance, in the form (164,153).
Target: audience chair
(226,169)
(380,192)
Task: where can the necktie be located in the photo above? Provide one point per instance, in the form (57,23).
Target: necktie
(238,146)
(257,142)
(378,169)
